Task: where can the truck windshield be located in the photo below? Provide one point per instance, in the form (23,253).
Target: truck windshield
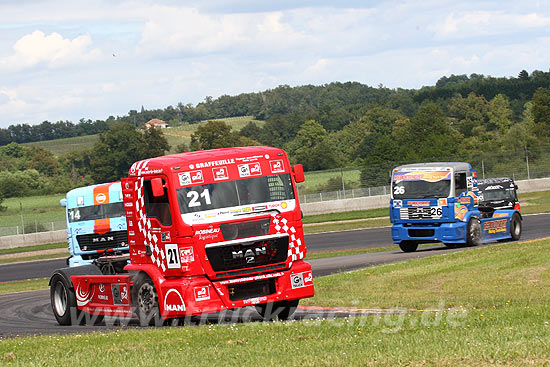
(235,193)
(420,185)
(94,212)
(498,194)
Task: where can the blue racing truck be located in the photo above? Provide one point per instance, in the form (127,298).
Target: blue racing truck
(96,227)
(438,202)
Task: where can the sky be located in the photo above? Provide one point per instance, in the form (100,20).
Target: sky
(68,60)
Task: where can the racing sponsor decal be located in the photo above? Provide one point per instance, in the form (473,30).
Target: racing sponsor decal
(220,173)
(202,293)
(187,255)
(469,182)
(208,234)
(442,202)
(464,200)
(495,226)
(460,211)
(255,301)
(250,169)
(173,301)
(397,203)
(165,237)
(500,215)
(301,280)
(434,176)
(101,194)
(277,166)
(251,278)
(418,203)
(80,200)
(495,187)
(120,293)
(190,178)
(222,162)
(83,297)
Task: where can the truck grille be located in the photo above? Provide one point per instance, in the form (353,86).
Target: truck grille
(248,290)
(421,232)
(248,254)
(95,241)
(429,212)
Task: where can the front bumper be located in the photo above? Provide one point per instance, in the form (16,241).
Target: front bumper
(445,232)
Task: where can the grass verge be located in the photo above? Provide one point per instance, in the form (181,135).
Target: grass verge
(48,246)
(488,306)
(23,286)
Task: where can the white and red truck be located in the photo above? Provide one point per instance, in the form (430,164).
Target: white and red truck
(208,231)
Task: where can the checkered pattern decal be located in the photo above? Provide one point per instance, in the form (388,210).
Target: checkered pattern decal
(144,225)
(296,249)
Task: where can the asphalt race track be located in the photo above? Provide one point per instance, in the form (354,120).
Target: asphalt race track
(30,312)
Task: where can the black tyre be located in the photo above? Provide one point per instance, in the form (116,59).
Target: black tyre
(282,310)
(515,227)
(63,301)
(408,246)
(145,301)
(473,233)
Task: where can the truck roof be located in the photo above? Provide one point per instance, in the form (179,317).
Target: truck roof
(202,159)
(87,190)
(457,166)
(492,181)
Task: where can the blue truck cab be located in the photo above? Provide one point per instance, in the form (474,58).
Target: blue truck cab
(438,202)
(96,224)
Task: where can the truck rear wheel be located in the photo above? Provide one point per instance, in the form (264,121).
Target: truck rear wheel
(473,233)
(63,300)
(145,301)
(282,310)
(515,227)
(408,246)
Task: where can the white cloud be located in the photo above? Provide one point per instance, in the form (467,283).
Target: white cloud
(486,23)
(52,50)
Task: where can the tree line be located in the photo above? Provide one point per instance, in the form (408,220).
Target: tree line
(334,104)
(323,127)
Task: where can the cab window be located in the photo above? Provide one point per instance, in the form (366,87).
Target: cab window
(157,207)
(460,183)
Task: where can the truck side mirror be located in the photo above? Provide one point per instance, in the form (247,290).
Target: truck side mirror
(298,171)
(63,202)
(157,187)
(516,187)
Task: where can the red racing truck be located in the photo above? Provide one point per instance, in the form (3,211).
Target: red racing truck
(208,231)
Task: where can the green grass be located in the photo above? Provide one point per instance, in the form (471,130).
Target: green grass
(316,179)
(175,136)
(351,215)
(42,209)
(48,246)
(61,147)
(535,202)
(483,307)
(23,286)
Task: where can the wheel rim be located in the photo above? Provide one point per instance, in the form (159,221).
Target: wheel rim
(60,299)
(516,228)
(475,234)
(146,297)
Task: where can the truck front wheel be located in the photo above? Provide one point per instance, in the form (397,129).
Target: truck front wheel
(63,300)
(515,227)
(282,310)
(408,246)
(145,301)
(473,235)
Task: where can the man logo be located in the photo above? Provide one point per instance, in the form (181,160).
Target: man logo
(173,301)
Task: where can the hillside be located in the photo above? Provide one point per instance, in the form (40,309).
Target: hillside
(174,135)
